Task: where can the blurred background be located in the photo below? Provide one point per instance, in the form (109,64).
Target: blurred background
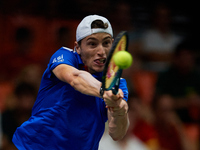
(164,80)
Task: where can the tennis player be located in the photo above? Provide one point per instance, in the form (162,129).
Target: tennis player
(70,110)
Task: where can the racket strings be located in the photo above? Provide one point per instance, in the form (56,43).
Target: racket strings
(113,69)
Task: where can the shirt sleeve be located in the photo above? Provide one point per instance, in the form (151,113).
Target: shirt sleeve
(123,87)
(63,56)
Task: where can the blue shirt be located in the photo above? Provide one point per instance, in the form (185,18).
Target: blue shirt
(63,118)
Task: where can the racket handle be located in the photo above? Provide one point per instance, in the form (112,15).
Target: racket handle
(116,87)
(114,91)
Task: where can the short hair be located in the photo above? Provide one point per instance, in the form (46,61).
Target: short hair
(99,24)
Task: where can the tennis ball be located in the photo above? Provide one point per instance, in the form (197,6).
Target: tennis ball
(123,59)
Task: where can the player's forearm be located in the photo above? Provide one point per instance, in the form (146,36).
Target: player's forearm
(118,122)
(86,84)
(82,81)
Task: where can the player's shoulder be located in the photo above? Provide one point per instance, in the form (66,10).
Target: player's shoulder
(124,88)
(66,49)
(123,83)
(122,80)
(62,55)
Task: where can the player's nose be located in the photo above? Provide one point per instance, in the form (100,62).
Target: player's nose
(101,50)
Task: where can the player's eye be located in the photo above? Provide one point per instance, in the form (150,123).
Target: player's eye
(92,44)
(107,43)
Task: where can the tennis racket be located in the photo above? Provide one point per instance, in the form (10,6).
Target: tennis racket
(112,73)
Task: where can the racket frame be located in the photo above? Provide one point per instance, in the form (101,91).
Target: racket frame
(114,86)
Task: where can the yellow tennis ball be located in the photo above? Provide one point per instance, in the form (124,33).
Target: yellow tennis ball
(123,59)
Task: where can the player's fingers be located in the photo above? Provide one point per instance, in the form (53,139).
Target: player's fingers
(109,95)
(110,108)
(110,103)
(120,94)
(116,97)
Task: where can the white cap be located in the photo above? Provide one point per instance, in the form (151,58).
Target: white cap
(84,28)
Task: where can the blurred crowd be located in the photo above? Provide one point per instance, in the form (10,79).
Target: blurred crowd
(164,80)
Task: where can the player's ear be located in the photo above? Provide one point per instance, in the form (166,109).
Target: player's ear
(77,46)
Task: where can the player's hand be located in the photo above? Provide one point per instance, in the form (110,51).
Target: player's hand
(111,99)
(115,103)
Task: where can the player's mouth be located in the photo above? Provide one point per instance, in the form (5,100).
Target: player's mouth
(100,62)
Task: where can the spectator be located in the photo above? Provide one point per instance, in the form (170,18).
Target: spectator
(169,128)
(31,74)
(24,98)
(122,18)
(159,41)
(143,121)
(181,81)
(158,126)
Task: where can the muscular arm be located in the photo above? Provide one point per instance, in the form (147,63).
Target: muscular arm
(82,81)
(118,121)
(85,83)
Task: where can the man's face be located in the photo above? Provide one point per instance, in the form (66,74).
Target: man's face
(94,50)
